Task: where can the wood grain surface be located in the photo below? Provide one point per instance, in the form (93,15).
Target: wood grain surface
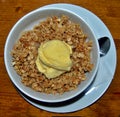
(12,104)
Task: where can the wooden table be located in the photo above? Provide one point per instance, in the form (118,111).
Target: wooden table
(12,104)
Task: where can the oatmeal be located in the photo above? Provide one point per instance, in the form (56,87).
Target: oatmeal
(25,54)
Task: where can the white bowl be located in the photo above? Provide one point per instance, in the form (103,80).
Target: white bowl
(28,22)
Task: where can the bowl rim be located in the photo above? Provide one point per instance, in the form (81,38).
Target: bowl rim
(6,64)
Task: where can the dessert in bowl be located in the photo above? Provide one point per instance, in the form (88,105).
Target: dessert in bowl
(51,55)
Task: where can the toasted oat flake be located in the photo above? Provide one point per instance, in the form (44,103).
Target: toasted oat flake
(25,52)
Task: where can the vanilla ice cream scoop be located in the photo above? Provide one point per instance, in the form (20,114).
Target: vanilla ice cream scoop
(56,54)
(54,58)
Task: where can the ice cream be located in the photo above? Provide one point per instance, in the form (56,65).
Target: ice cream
(54,58)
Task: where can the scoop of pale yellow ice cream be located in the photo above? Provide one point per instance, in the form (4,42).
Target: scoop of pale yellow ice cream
(54,58)
(56,54)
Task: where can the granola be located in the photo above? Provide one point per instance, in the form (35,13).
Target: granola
(25,53)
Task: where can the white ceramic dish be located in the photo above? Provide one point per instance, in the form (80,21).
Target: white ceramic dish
(105,72)
(28,22)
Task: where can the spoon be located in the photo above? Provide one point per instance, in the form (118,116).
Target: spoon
(104,43)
